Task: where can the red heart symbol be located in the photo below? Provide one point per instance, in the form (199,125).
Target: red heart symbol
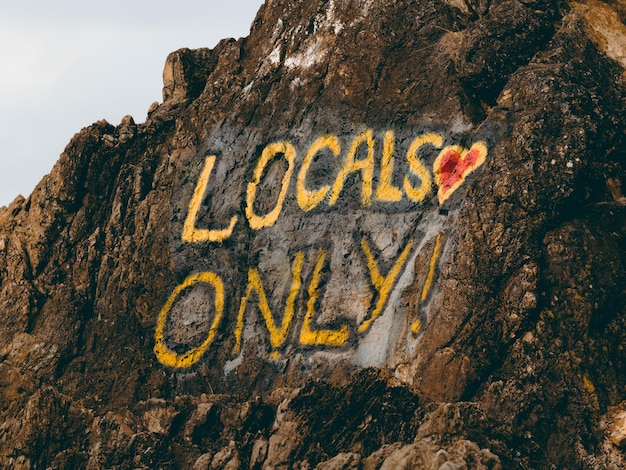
(453,164)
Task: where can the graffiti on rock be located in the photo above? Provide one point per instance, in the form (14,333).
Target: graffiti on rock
(296,317)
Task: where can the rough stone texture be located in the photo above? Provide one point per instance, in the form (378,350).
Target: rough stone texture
(484,328)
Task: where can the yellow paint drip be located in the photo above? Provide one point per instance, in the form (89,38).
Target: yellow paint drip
(432,269)
(417,327)
(275,355)
(588,385)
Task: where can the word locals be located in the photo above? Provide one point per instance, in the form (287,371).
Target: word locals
(450,169)
(302,302)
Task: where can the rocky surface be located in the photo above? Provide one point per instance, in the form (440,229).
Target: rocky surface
(372,234)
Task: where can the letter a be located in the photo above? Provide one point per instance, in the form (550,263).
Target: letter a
(352,165)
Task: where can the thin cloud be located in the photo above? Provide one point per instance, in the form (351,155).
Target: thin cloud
(68,63)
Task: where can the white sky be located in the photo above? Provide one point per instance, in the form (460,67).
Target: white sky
(65,64)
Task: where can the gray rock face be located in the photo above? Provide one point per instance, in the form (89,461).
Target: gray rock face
(369,235)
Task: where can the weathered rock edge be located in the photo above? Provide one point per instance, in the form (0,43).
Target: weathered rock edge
(521,367)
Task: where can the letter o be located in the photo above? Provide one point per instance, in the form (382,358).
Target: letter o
(258,222)
(165,355)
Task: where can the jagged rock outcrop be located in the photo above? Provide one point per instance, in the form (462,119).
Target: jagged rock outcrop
(371,234)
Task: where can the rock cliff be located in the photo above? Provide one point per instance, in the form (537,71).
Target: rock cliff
(371,234)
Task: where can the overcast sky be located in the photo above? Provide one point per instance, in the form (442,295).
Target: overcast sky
(65,64)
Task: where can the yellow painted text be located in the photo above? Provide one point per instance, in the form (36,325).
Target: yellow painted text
(383,284)
(308,335)
(165,355)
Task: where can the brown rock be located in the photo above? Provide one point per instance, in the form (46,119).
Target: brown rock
(368,234)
